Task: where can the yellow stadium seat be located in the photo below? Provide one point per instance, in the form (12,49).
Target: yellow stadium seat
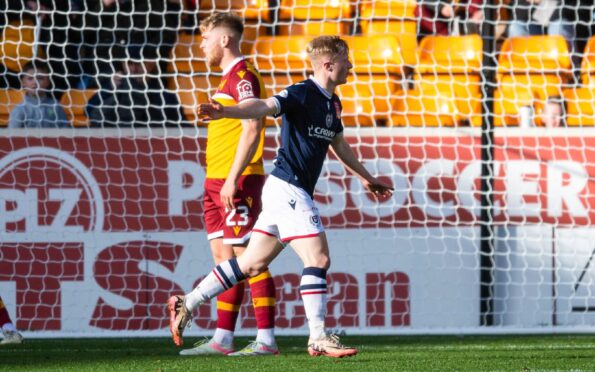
(247,9)
(508,101)
(9,98)
(580,110)
(191,91)
(74,103)
(588,64)
(315,17)
(392,17)
(543,54)
(282,54)
(437,103)
(450,55)
(447,84)
(16,45)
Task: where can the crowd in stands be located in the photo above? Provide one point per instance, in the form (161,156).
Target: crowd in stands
(121,48)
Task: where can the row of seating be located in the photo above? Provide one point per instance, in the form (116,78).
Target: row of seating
(446,84)
(323,17)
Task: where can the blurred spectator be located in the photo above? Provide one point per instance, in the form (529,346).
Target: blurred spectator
(107,27)
(18,29)
(553,112)
(39,109)
(448,17)
(540,17)
(136,96)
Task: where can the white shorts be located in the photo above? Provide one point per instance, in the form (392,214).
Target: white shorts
(288,212)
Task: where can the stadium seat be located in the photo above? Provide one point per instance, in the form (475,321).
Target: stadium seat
(588,64)
(447,84)
(254,12)
(580,110)
(192,90)
(508,101)
(9,98)
(315,17)
(16,45)
(392,17)
(378,70)
(74,102)
(535,65)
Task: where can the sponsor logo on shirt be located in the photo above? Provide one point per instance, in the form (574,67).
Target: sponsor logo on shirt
(245,90)
(321,133)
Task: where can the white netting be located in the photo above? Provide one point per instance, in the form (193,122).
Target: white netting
(101,222)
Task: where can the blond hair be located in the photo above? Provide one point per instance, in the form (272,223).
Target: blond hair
(228,20)
(332,46)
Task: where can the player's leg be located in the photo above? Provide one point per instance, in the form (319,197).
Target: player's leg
(224,276)
(11,335)
(228,307)
(314,253)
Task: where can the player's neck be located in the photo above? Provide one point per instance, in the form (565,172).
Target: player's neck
(325,83)
(229,57)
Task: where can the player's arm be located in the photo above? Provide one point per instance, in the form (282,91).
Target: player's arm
(247,146)
(343,152)
(251,109)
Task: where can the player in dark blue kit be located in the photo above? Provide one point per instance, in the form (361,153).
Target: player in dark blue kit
(311,123)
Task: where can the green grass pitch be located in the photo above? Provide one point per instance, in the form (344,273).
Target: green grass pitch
(381,353)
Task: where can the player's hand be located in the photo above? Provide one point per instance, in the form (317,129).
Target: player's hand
(212,110)
(379,188)
(227,193)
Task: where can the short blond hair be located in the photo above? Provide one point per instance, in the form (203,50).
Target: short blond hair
(228,20)
(332,46)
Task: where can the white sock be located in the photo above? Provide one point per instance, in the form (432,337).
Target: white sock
(221,278)
(313,291)
(266,336)
(223,336)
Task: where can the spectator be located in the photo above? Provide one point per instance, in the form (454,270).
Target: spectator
(135,96)
(107,27)
(553,112)
(39,108)
(540,17)
(448,17)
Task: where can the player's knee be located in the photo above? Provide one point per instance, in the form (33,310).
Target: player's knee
(323,262)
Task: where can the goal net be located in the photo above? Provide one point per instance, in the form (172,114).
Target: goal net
(486,134)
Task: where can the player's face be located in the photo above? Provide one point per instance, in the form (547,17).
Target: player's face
(211,45)
(341,67)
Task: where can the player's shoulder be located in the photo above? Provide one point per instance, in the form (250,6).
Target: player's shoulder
(244,70)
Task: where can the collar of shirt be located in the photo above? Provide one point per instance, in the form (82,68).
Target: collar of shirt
(324,91)
(232,64)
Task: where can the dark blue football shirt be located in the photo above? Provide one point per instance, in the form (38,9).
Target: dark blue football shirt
(311,119)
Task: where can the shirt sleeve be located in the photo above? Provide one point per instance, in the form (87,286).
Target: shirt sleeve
(290,98)
(63,121)
(247,87)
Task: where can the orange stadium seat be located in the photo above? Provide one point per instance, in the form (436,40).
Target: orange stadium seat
(315,17)
(588,64)
(192,90)
(392,17)
(447,84)
(254,12)
(580,110)
(540,65)
(378,70)
(16,44)
(9,98)
(74,102)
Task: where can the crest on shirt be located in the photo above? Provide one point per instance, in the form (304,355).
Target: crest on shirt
(329,120)
(338,110)
(245,90)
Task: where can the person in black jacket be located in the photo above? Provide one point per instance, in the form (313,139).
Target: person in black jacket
(135,96)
